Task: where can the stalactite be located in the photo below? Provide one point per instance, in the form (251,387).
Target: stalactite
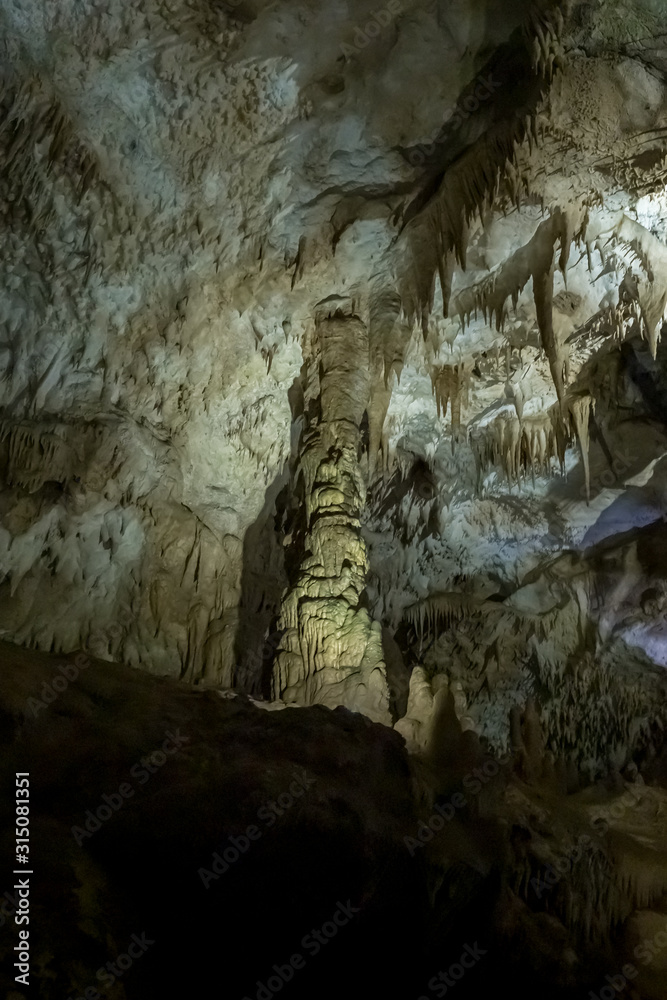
(580,409)
(442,235)
(445,273)
(430,616)
(534,260)
(520,447)
(387,350)
(37,454)
(543,282)
(515,392)
(377,440)
(621,320)
(646,307)
(33,115)
(447,383)
(547,28)
(439,611)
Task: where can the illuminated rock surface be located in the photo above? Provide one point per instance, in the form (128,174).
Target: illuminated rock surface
(333,367)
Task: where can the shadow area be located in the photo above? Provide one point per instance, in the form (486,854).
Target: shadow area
(263,581)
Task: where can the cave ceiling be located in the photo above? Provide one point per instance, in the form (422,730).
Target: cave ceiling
(215,218)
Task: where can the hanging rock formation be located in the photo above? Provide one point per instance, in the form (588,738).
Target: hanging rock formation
(333,375)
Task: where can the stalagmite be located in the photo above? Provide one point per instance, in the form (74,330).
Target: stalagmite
(331,651)
(244,297)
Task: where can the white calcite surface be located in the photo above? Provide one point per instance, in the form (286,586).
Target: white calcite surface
(189,192)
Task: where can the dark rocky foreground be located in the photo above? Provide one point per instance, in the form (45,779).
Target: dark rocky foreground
(136,783)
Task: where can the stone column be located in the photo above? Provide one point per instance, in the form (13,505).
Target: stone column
(331,651)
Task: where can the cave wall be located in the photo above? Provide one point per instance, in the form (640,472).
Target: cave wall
(188,191)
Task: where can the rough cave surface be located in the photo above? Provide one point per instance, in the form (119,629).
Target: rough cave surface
(231,847)
(333,422)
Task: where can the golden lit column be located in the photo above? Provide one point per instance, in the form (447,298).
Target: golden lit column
(331,651)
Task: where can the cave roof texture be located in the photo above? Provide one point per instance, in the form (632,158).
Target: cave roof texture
(333,376)
(191,191)
(188,190)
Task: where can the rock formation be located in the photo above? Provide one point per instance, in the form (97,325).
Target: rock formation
(331,651)
(333,377)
